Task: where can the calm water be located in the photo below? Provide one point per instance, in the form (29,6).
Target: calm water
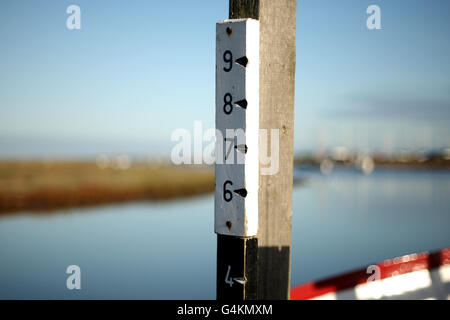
(168,251)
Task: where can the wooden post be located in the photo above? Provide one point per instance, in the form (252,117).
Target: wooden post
(237,158)
(276,111)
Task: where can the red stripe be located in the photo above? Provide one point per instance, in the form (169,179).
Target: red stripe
(388,268)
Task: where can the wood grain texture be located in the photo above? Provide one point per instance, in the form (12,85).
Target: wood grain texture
(277,83)
(244,9)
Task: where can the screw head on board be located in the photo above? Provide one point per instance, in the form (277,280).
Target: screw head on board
(229,31)
(229,224)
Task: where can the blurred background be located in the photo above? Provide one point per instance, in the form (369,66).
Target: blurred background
(86,118)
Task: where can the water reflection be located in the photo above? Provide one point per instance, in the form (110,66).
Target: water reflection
(355,220)
(164,251)
(168,250)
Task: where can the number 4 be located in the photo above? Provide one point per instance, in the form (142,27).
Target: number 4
(227,279)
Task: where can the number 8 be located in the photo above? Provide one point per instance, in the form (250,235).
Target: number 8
(227,100)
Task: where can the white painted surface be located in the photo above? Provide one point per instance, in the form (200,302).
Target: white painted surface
(444,273)
(241,83)
(422,284)
(327,296)
(394,286)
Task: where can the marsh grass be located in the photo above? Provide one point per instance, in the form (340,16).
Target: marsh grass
(45,185)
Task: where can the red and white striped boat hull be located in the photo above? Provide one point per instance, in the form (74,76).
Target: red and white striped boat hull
(416,276)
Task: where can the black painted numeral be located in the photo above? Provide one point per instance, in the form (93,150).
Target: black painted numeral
(228,106)
(227,194)
(228,58)
(231,140)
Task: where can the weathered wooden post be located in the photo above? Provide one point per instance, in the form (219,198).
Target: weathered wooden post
(253,211)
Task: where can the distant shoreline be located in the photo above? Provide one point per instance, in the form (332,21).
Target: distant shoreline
(436,162)
(38,186)
(387,166)
(44,186)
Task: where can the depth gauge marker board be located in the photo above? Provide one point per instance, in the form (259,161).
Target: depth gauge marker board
(237,157)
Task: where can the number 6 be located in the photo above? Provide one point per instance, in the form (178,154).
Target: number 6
(227,195)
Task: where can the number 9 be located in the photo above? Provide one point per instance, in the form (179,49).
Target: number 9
(228,58)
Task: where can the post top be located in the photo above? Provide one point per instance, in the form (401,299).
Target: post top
(236,20)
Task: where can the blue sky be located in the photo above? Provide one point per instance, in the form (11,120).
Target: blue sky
(137,70)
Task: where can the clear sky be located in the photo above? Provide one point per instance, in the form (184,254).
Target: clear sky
(137,70)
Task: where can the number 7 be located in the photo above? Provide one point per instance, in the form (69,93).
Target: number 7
(230,147)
